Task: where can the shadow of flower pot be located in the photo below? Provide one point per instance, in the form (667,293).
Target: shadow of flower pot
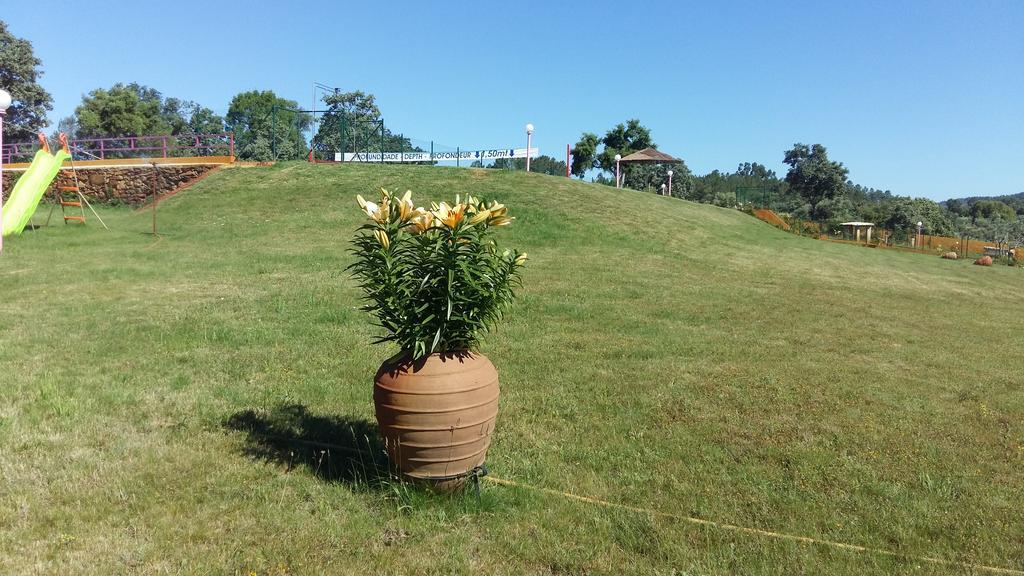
(334,448)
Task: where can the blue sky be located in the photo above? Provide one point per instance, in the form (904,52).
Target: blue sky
(923,99)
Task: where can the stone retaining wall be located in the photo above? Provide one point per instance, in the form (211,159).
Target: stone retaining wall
(122,184)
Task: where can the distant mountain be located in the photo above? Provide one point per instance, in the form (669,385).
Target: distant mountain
(1007,198)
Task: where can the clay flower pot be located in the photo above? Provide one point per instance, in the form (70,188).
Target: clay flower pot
(436,415)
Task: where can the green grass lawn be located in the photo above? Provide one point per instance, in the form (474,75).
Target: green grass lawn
(183,405)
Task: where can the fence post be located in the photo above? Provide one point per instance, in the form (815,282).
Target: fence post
(102,155)
(231,144)
(164,144)
(458,156)
(431,152)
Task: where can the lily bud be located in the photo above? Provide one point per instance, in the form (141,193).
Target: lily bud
(480,217)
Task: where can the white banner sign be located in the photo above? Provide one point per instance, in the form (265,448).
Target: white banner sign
(468,155)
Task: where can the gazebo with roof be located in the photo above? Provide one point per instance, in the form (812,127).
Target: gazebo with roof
(649,156)
(855,229)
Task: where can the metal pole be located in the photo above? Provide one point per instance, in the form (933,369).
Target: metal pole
(431,152)
(669,182)
(381,140)
(153,187)
(567,154)
(529,139)
(273,130)
(458,153)
(3,114)
(618,180)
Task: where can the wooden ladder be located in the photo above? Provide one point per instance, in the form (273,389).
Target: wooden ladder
(66,203)
(78,200)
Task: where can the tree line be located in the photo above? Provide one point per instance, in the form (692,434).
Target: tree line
(814,189)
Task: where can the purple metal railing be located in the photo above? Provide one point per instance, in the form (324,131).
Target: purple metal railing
(132,147)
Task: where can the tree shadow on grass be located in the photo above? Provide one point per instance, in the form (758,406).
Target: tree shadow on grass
(334,448)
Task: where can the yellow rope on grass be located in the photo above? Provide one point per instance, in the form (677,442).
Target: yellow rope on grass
(757,531)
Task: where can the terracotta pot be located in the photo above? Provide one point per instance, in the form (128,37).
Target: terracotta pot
(436,414)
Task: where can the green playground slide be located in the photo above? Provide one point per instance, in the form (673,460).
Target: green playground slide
(29,190)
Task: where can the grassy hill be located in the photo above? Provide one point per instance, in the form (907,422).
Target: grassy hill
(188,405)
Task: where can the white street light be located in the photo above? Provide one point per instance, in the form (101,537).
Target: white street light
(669,182)
(5,103)
(529,138)
(617,180)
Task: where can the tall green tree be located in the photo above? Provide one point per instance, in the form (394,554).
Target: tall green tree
(623,139)
(815,178)
(20,71)
(990,209)
(584,154)
(267,127)
(137,110)
(901,215)
(122,110)
(353,122)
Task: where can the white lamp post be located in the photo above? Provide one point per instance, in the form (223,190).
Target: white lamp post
(617,179)
(662,188)
(529,140)
(669,182)
(920,240)
(5,103)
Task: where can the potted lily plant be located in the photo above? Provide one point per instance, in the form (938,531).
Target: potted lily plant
(435,280)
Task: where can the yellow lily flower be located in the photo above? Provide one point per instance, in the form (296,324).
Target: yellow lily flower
(497,208)
(422,221)
(450,216)
(372,210)
(405,209)
(455,216)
